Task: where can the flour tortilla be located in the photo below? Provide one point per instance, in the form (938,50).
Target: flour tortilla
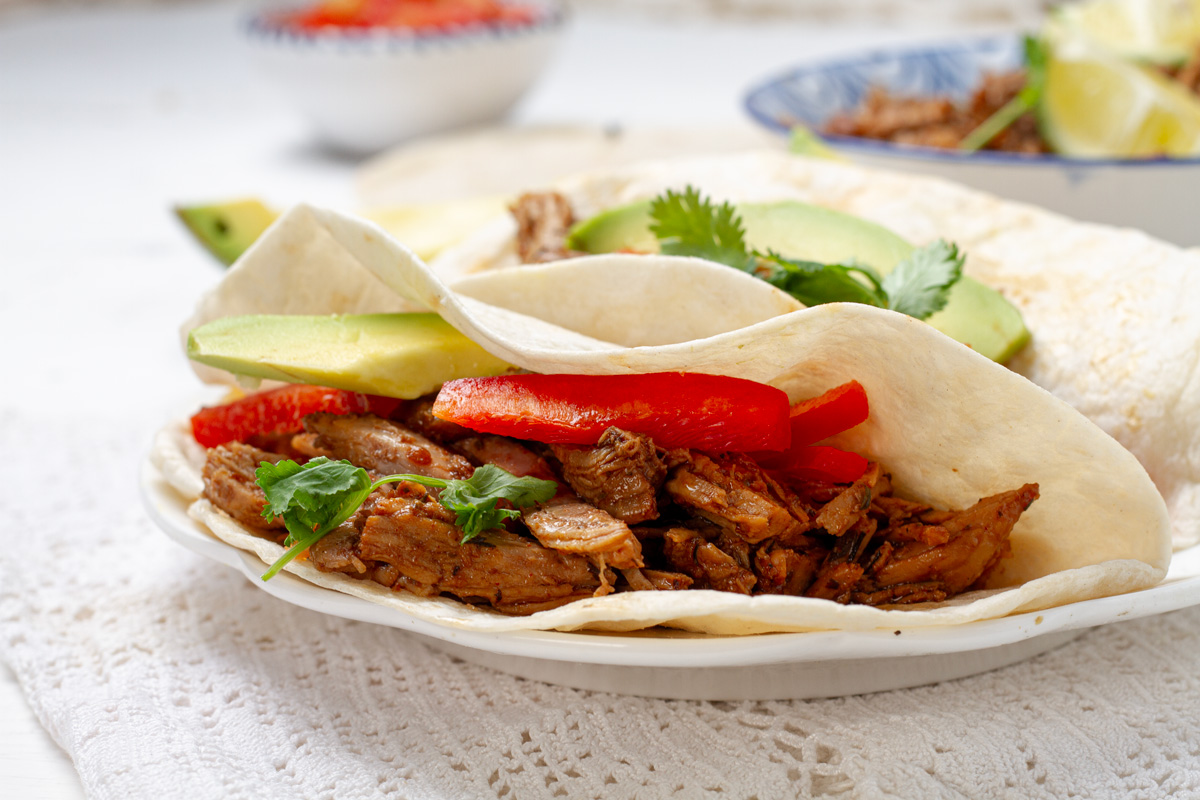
(948,424)
(1113,312)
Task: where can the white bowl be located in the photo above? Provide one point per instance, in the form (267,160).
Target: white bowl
(1154,195)
(366,89)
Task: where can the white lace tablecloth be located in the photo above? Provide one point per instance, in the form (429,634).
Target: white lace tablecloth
(163,675)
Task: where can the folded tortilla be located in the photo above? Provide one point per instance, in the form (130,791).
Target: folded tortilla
(950,425)
(1112,311)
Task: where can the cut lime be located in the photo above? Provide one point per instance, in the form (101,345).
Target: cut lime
(1098,106)
(1154,31)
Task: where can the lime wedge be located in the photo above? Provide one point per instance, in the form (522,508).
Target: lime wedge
(1094,105)
(1154,31)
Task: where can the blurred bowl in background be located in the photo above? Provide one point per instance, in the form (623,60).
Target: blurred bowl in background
(363,89)
(1154,195)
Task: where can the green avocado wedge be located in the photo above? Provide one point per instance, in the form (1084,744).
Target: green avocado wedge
(394,355)
(976,315)
(227,229)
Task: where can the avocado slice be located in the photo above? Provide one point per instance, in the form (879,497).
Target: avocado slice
(394,355)
(976,315)
(227,229)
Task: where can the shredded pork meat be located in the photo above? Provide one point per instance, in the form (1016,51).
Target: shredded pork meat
(938,121)
(229,483)
(621,474)
(714,521)
(543,221)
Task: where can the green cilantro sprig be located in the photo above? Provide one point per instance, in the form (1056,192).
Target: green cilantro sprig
(1025,100)
(315,498)
(688,224)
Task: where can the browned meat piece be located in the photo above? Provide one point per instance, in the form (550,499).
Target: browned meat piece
(382,447)
(978,539)
(937,121)
(565,523)
(784,571)
(509,455)
(731,491)
(338,551)
(653,580)
(229,483)
(836,581)
(896,509)
(543,221)
(842,512)
(573,526)
(418,416)
(513,573)
(842,570)
(280,444)
(901,594)
(709,566)
(917,532)
(621,474)
(882,116)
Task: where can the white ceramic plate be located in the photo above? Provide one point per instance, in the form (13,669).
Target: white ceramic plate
(680,665)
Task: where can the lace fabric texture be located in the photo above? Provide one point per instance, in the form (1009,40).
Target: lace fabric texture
(163,674)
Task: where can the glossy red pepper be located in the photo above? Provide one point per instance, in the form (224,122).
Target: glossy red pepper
(823,463)
(705,412)
(280,411)
(837,410)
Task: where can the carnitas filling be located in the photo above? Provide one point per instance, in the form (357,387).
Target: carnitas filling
(628,515)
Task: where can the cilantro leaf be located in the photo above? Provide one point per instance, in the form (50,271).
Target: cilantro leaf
(920,284)
(474,500)
(688,224)
(813,283)
(308,497)
(315,498)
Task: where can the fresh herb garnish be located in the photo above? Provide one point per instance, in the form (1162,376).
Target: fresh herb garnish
(315,498)
(1024,100)
(688,224)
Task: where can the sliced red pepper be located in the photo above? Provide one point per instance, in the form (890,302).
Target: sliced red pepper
(279,411)
(839,409)
(823,463)
(676,409)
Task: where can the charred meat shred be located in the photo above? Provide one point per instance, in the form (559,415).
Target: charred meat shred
(543,221)
(621,474)
(229,483)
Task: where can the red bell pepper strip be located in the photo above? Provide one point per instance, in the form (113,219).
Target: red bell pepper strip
(822,463)
(676,409)
(280,411)
(839,409)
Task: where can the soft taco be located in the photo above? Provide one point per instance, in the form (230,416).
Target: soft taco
(1111,310)
(947,427)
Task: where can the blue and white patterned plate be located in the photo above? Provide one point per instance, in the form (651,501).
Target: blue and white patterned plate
(1151,194)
